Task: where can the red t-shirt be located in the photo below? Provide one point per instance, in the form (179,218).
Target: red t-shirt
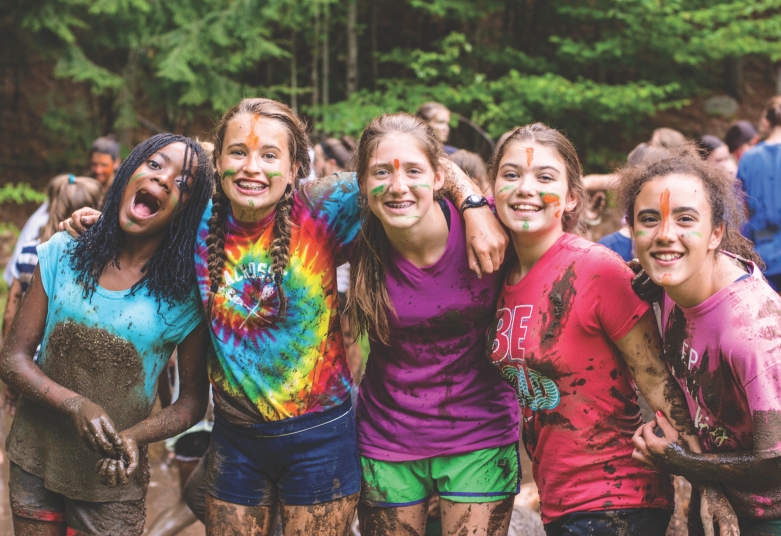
(553,341)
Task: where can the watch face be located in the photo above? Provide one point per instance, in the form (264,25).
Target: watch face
(474,198)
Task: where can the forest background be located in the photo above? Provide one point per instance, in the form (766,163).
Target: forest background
(604,71)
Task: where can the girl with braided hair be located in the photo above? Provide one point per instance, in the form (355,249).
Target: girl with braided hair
(110,308)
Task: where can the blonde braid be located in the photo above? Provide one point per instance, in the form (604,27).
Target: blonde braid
(280,247)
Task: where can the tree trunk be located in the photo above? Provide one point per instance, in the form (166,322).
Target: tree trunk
(316,60)
(375,61)
(352,47)
(293,67)
(734,76)
(326,66)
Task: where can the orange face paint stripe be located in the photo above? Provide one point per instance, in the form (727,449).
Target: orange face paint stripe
(664,206)
(529,156)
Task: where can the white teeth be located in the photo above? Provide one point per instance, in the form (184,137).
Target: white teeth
(667,256)
(527,208)
(248,185)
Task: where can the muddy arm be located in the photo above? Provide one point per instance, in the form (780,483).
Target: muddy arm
(486,239)
(18,370)
(188,409)
(741,468)
(642,351)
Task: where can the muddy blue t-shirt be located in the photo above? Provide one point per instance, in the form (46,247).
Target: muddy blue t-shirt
(110,348)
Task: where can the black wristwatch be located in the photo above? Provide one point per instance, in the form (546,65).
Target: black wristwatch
(473,201)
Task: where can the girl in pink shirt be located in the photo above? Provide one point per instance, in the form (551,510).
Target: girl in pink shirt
(721,324)
(572,338)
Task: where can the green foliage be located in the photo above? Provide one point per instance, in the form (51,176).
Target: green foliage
(20,193)
(598,69)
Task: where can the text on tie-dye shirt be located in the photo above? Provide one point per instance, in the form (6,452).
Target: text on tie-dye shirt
(267,370)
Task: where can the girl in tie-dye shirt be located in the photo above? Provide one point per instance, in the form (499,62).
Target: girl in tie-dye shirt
(266,263)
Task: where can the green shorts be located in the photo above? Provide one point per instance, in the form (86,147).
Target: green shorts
(481,476)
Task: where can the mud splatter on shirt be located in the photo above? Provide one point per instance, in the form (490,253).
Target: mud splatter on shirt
(552,340)
(434,377)
(109,348)
(267,370)
(726,355)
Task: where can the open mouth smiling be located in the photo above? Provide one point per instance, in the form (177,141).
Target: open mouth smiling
(145,204)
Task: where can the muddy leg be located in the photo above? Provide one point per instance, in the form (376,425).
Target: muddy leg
(405,520)
(33,527)
(332,518)
(476,518)
(228,519)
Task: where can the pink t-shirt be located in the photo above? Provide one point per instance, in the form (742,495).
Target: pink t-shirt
(553,341)
(726,355)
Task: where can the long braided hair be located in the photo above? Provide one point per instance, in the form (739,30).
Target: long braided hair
(170,273)
(298,145)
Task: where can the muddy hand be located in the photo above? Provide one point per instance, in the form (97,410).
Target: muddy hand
(80,221)
(128,451)
(112,472)
(487,240)
(93,425)
(643,285)
(714,507)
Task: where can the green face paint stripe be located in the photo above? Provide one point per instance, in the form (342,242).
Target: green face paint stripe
(251,202)
(640,233)
(136,177)
(506,188)
(228,173)
(272,174)
(526,226)
(129,223)
(377,192)
(416,186)
(692,233)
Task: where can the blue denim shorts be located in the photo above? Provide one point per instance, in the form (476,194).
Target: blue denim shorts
(299,461)
(634,521)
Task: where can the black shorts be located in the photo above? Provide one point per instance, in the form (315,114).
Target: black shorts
(31,500)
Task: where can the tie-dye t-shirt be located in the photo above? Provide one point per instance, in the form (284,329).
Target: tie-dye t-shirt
(553,340)
(726,355)
(267,370)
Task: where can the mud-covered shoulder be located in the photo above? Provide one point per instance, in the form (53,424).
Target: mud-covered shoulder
(316,193)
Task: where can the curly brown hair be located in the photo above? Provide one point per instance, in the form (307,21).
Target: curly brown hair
(724,194)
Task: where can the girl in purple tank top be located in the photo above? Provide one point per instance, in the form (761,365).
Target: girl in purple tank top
(433,416)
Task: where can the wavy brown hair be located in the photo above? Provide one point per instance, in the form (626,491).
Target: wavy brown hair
(67,194)
(369,303)
(724,194)
(298,146)
(553,139)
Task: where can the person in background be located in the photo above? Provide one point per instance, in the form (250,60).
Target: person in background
(739,138)
(103,162)
(666,138)
(759,172)
(474,166)
(438,117)
(621,241)
(333,155)
(715,151)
